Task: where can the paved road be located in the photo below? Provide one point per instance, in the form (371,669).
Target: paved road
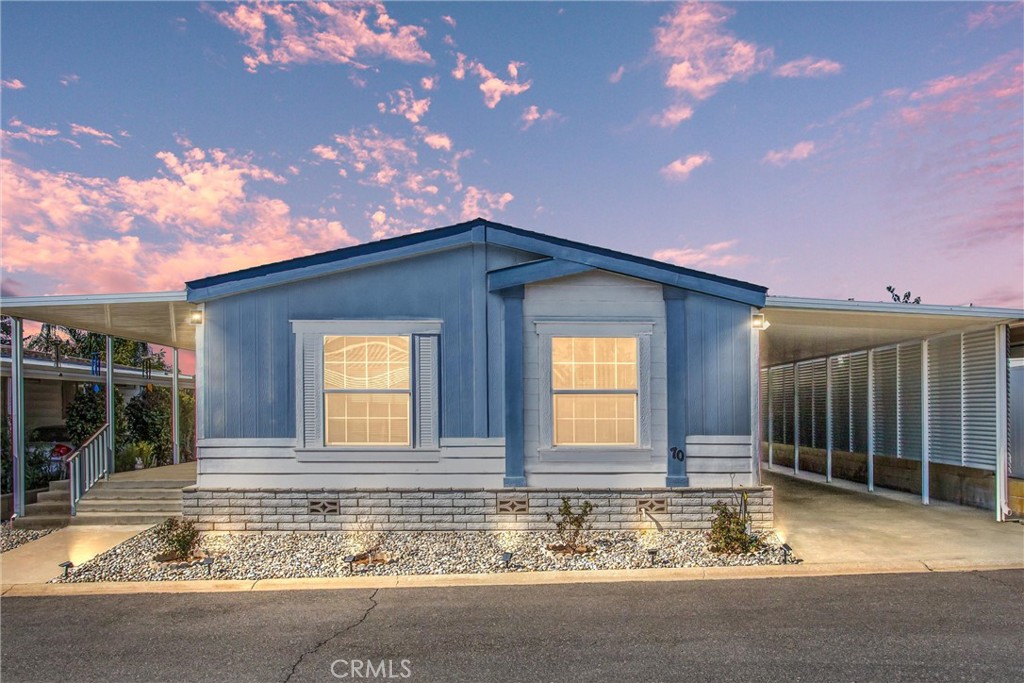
(910,627)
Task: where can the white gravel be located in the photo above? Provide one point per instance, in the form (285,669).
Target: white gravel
(12,538)
(322,555)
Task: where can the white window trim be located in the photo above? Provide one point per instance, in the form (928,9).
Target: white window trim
(642,331)
(425,438)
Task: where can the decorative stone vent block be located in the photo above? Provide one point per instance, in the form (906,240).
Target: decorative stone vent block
(324,507)
(520,509)
(513,506)
(652,505)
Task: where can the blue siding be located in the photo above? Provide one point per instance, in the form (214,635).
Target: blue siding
(250,363)
(717,366)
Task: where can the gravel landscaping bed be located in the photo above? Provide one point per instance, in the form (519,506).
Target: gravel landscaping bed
(307,555)
(12,538)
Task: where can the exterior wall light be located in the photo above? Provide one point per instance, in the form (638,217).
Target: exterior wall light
(195,316)
(758,322)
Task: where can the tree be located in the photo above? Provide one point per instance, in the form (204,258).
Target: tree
(49,340)
(88,411)
(905,299)
(5,331)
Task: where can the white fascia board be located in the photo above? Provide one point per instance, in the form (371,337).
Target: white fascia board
(807,303)
(91,299)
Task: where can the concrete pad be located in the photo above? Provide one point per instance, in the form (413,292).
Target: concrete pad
(828,524)
(37,561)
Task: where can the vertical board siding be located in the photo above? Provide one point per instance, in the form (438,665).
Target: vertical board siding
(979,403)
(859,401)
(944,394)
(718,338)
(593,296)
(250,362)
(841,403)
(885,405)
(910,401)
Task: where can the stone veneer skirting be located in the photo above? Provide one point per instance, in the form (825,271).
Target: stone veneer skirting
(282,510)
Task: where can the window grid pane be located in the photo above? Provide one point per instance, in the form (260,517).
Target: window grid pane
(595,419)
(593,363)
(366,419)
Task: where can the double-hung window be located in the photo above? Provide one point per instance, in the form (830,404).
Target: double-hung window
(594,391)
(367,385)
(595,381)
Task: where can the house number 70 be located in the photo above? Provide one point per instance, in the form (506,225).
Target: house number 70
(677,453)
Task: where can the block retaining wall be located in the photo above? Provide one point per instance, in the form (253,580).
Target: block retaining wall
(283,510)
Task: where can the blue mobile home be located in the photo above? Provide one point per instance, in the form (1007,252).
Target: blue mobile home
(474,362)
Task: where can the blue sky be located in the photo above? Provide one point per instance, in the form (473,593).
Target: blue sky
(820,149)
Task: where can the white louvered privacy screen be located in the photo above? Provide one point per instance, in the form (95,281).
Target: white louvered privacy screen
(962,371)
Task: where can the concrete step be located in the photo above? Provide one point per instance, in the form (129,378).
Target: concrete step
(40,522)
(148,484)
(54,496)
(103,493)
(61,485)
(88,504)
(44,508)
(107,518)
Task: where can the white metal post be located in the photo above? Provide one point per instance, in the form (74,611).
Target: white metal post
(755,408)
(771,423)
(925,482)
(1002,413)
(175,408)
(110,404)
(828,419)
(871,419)
(796,418)
(18,414)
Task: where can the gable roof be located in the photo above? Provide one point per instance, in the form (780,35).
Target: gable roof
(477,231)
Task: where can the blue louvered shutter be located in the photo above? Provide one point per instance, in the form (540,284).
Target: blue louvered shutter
(426,403)
(312,390)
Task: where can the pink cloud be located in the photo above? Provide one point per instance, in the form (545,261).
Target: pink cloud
(404,103)
(716,255)
(459,72)
(68,79)
(993,15)
(437,141)
(617,75)
(957,94)
(102,137)
(322,32)
(448,20)
(701,54)
(12,84)
(101,229)
(798,152)
(326,153)
(809,67)
(429,82)
(495,88)
(33,134)
(483,203)
(672,116)
(533,114)
(680,169)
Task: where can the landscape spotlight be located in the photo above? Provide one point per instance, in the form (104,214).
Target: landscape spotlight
(786,550)
(506,557)
(350,559)
(208,563)
(653,552)
(66,566)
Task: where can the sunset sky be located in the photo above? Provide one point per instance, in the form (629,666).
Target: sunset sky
(818,149)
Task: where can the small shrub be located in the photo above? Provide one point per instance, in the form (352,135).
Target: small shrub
(729,531)
(141,452)
(571,525)
(178,536)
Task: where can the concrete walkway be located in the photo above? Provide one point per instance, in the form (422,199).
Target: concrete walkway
(837,523)
(37,561)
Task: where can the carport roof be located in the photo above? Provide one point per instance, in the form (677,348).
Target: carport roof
(803,328)
(155,317)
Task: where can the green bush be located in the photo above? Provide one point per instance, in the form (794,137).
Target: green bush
(88,411)
(139,452)
(148,416)
(571,525)
(178,536)
(729,531)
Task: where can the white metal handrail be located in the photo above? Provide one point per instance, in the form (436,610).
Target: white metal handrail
(88,464)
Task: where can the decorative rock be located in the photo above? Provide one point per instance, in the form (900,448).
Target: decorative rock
(11,538)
